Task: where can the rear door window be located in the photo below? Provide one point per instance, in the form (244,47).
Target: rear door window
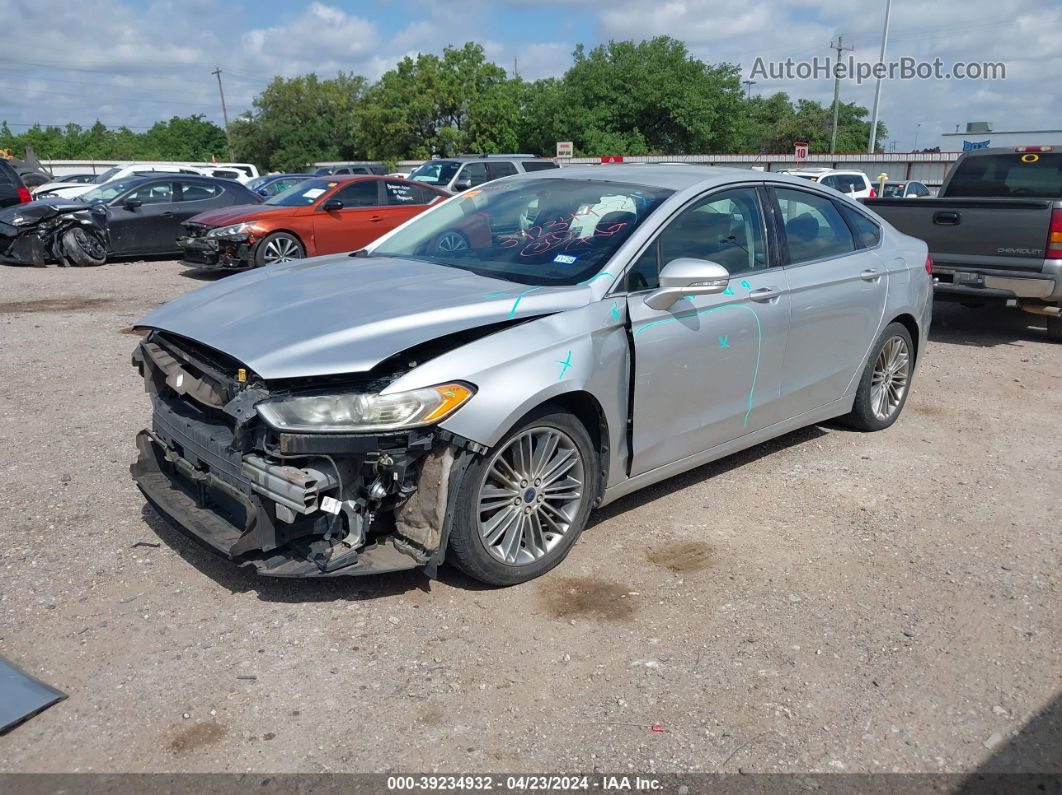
(501,168)
(197,192)
(154,193)
(474,174)
(867,233)
(813,226)
(402,192)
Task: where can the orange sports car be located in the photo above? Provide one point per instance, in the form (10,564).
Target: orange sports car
(325,215)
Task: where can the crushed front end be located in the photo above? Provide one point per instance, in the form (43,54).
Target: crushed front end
(289,504)
(203,247)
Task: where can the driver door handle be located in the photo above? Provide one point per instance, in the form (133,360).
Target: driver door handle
(765,294)
(376,219)
(167,214)
(870,275)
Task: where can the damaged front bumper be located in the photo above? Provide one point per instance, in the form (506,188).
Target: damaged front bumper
(285,504)
(230,252)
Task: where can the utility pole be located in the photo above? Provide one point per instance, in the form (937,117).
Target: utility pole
(839,46)
(516,69)
(224,112)
(748,87)
(877,88)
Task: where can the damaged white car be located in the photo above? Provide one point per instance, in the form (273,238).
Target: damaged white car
(475,382)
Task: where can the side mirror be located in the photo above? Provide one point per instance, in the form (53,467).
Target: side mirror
(332,205)
(131,204)
(462,185)
(687,276)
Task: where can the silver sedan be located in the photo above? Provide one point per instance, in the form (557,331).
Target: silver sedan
(492,370)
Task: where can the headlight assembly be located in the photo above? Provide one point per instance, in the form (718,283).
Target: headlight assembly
(347,413)
(232,229)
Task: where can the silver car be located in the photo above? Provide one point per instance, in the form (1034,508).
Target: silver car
(471,385)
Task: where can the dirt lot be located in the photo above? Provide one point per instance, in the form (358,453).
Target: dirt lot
(830,601)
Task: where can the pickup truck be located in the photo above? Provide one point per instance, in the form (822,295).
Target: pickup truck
(994,231)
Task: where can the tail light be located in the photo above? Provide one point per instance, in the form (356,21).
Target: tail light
(873,193)
(929,265)
(23,195)
(1054,236)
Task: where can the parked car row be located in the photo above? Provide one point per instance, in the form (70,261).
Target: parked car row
(212,222)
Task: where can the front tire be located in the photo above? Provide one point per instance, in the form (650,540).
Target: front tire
(278,247)
(83,249)
(521,507)
(886,381)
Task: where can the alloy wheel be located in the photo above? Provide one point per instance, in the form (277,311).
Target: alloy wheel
(280,249)
(451,241)
(532,492)
(888,382)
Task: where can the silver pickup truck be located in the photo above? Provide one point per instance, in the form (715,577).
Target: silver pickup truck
(995,229)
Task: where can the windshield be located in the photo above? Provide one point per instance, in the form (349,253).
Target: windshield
(1014,174)
(893,190)
(435,172)
(304,194)
(532,231)
(106,176)
(104,193)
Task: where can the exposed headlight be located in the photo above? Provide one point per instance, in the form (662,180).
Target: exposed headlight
(232,229)
(361,412)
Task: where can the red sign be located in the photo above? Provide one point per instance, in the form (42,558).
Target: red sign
(611,158)
(800,150)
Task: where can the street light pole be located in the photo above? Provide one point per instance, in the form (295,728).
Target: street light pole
(877,88)
(839,46)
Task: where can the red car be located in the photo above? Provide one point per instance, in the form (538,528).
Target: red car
(324,215)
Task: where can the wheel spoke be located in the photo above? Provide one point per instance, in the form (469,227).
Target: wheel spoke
(492,531)
(561,463)
(492,498)
(545,449)
(510,544)
(505,473)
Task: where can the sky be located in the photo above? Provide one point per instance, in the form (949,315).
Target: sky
(130,62)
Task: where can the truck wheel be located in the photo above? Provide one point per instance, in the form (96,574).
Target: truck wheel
(521,506)
(83,249)
(278,247)
(1054,327)
(886,381)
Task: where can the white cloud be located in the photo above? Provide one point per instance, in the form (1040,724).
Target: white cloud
(322,38)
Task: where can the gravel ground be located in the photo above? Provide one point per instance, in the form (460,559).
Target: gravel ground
(830,601)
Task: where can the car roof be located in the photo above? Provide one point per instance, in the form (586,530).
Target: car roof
(668,177)
(193,178)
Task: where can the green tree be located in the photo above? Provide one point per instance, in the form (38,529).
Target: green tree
(297,121)
(628,98)
(774,123)
(435,105)
(191,138)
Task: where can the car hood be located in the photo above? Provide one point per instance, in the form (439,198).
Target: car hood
(343,314)
(31,213)
(239,214)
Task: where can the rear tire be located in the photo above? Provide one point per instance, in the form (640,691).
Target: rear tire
(278,247)
(83,249)
(1054,327)
(886,381)
(508,533)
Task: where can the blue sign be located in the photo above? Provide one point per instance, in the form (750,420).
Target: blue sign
(970,145)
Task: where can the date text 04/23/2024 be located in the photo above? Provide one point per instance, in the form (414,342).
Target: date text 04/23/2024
(523,783)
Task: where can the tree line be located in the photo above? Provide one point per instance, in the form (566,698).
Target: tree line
(623,97)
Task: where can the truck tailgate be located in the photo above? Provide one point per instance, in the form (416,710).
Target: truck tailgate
(995,234)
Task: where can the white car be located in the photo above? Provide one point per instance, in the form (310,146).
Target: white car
(851,183)
(241,172)
(66,190)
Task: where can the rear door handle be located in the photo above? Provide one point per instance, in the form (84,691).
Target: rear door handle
(765,294)
(946,218)
(376,219)
(870,275)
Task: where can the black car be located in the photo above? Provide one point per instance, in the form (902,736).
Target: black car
(138,215)
(12,189)
(145,212)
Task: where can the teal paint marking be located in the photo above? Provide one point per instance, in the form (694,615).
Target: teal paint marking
(516,303)
(598,276)
(724,342)
(497,295)
(728,291)
(566,365)
(759,342)
(745,284)
(615,310)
